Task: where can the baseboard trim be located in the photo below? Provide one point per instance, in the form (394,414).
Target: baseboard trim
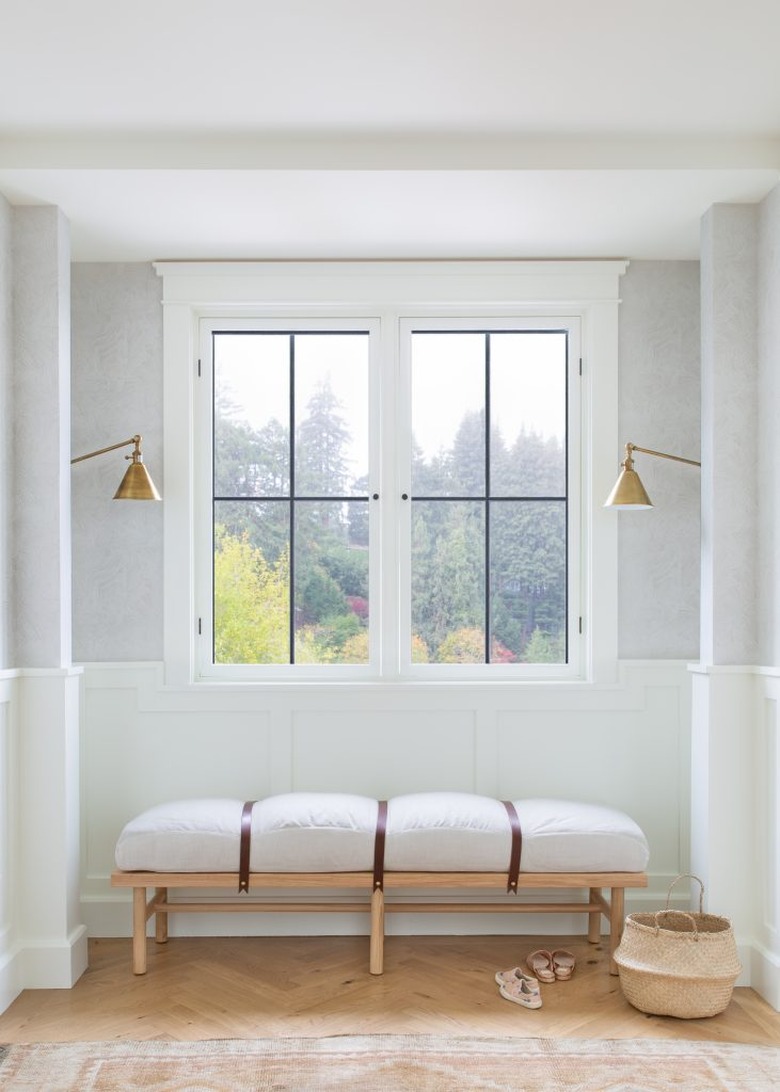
(764,974)
(55,966)
(10,978)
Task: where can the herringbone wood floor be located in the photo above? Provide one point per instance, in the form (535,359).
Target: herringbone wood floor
(205,988)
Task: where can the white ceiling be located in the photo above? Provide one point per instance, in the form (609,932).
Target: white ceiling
(411,128)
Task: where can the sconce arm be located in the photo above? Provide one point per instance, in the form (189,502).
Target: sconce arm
(113,447)
(661,455)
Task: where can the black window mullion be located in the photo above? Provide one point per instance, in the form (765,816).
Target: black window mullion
(291,503)
(213,491)
(487,498)
(566,634)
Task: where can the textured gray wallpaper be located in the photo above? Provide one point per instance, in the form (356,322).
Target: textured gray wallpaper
(659,408)
(6,432)
(729,294)
(117,383)
(769,434)
(117,390)
(41,583)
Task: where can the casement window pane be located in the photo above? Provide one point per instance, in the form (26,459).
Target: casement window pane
(448,414)
(528,414)
(448,582)
(331,582)
(290,570)
(251,415)
(528,581)
(331,396)
(251,582)
(266,525)
(517,381)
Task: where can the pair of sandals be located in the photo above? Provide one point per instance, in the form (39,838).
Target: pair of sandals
(549,966)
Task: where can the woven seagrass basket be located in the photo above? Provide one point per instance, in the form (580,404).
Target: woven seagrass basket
(673,963)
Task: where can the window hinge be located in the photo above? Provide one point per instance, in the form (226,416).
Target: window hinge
(199,369)
(200,627)
(580,623)
(580,366)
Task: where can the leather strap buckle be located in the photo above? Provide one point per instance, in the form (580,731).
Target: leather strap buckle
(513,875)
(379,846)
(246,840)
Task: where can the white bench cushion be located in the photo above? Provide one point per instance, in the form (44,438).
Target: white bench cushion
(292,832)
(461,832)
(426,832)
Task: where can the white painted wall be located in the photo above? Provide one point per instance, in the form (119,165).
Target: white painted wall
(764,835)
(10,968)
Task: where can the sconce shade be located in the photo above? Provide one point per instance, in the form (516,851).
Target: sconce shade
(628,492)
(137,484)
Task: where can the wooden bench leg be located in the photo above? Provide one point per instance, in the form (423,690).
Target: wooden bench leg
(161,916)
(377,948)
(139,930)
(616,915)
(594,918)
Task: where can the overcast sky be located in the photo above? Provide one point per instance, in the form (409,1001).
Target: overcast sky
(527,382)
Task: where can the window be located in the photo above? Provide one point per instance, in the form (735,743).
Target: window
(391,472)
(483,575)
(489,493)
(290,518)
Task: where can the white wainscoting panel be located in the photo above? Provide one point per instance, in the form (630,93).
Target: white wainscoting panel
(765,959)
(10,963)
(635,759)
(373,751)
(133,758)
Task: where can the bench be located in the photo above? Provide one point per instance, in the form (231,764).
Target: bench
(379,857)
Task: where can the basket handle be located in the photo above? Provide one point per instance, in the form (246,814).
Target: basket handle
(681,913)
(690,876)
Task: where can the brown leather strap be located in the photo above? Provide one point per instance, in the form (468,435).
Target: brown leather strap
(379,845)
(246,839)
(517,845)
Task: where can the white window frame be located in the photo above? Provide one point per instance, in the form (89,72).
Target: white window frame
(388,292)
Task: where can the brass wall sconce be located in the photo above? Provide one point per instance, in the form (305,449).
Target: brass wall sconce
(628,491)
(137,483)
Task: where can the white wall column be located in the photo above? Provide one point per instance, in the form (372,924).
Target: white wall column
(723,716)
(51,936)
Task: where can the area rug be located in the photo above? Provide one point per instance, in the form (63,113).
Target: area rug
(390,1063)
